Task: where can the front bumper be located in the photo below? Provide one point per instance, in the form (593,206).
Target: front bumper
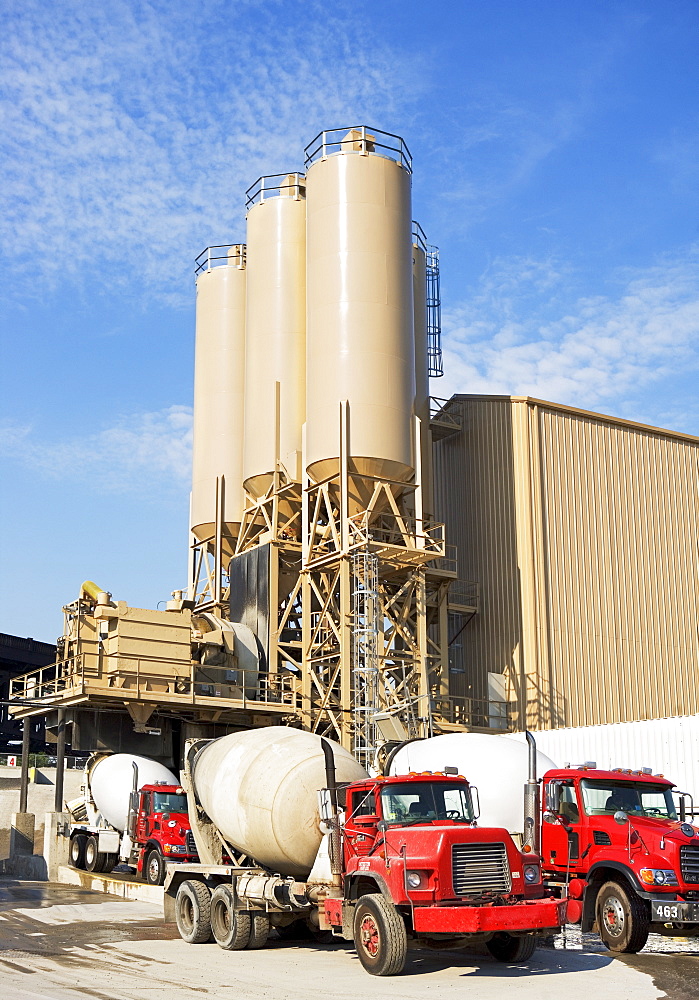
(529,915)
(674,912)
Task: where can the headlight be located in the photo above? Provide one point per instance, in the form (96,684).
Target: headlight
(531,873)
(414,880)
(658,876)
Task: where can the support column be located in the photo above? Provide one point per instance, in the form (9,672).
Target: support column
(24,774)
(60,759)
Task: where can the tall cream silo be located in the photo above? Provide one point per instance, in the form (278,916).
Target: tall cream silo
(422,381)
(360,343)
(275,329)
(219,378)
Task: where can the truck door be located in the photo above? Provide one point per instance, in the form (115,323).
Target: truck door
(361,824)
(555,839)
(144,818)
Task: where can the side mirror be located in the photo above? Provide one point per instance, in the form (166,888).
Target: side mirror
(475,802)
(165,817)
(382,826)
(620,817)
(553,796)
(550,818)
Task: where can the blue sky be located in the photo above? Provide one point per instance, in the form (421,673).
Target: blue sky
(556,165)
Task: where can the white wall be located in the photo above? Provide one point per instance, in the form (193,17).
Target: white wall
(668,746)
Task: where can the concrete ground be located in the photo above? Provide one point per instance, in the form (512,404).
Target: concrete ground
(60,942)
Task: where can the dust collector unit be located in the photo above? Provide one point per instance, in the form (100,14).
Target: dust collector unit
(360,342)
(275,330)
(219,376)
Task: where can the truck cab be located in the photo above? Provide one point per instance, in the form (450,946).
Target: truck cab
(411,842)
(162,830)
(630,862)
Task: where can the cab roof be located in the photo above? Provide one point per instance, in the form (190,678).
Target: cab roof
(618,774)
(394,779)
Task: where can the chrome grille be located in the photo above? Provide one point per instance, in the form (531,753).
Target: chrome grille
(189,841)
(689,862)
(480,868)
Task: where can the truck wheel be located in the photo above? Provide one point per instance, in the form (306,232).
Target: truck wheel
(622,918)
(110,862)
(380,939)
(259,930)
(94,858)
(506,948)
(231,928)
(77,850)
(154,868)
(193,912)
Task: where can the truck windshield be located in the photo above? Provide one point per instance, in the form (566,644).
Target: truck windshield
(604,798)
(423,801)
(169,802)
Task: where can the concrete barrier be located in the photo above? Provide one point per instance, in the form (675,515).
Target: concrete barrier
(111,884)
(40,800)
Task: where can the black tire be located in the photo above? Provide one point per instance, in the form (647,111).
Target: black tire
(77,850)
(110,863)
(380,939)
(193,912)
(94,858)
(154,868)
(506,948)
(623,921)
(259,930)
(231,928)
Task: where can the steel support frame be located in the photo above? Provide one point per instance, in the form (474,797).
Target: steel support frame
(390,530)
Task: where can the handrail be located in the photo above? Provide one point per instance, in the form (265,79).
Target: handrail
(485,713)
(289,185)
(358,139)
(234,255)
(70,676)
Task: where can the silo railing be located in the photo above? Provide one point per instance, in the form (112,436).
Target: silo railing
(220,256)
(289,185)
(359,139)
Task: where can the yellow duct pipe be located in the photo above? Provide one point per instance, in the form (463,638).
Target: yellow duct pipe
(90,589)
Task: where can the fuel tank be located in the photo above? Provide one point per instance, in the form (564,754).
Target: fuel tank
(260,787)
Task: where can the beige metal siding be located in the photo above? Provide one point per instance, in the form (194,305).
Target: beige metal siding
(583,532)
(474,495)
(617,516)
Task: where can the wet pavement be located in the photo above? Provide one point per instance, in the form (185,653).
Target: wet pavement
(63,942)
(671,962)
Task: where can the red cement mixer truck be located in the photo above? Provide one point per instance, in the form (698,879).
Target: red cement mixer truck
(131,810)
(318,844)
(614,843)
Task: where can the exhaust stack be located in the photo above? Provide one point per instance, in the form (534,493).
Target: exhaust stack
(532,804)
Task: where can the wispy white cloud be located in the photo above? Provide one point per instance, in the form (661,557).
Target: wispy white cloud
(523,331)
(146,453)
(131,130)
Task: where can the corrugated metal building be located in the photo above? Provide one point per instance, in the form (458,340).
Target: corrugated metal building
(582,532)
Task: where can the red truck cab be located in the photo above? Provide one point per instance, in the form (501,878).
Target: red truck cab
(630,862)
(410,847)
(162,830)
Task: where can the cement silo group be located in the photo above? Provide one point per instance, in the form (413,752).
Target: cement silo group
(312,408)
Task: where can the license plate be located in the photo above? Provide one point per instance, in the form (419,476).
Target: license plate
(662,911)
